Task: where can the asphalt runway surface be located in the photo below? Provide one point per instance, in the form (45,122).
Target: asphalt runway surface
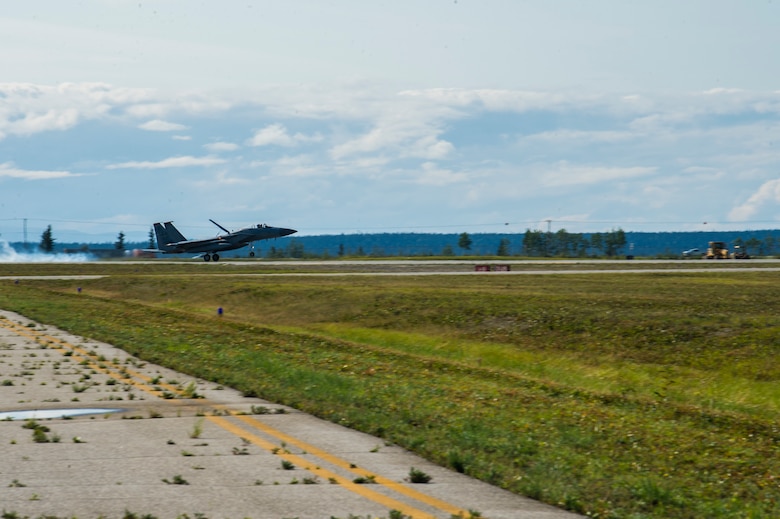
(455,267)
(97,433)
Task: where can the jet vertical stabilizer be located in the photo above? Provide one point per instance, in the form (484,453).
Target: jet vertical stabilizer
(173,233)
(164,237)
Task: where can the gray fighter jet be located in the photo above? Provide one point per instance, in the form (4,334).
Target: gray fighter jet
(171,241)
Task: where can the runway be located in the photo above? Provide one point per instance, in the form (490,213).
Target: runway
(405,267)
(175,445)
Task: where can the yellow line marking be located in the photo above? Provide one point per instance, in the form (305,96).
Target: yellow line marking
(144,383)
(361,490)
(83,355)
(334,460)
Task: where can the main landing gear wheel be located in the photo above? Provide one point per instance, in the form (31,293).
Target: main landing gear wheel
(208,257)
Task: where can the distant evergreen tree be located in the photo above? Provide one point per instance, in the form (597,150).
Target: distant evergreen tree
(534,243)
(503,247)
(295,249)
(119,244)
(582,246)
(447,251)
(151,238)
(274,253)
(768,246)
(47,241)
(597,241)
(754,246)
(614,241)
(341,250)
(464,241)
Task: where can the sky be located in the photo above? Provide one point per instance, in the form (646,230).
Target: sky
(341,116)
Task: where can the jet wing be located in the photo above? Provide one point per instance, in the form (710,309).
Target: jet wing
(193,245)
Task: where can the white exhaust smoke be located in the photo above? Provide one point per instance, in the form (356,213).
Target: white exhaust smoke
(10,255)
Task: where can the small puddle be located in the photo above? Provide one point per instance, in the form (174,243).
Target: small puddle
(42,414)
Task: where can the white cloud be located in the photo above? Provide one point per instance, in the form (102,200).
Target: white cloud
(221,146)
(35,122)
(595,136)
(297,166)
(494,100)
(432,175)
(373,141)
(768,192)
(158,125)
(172,162)
(7,169)
(27,109)
(408,137)
(718,91)
(429,147)
(182,138)
(222,178)
(277,135)
(565,174)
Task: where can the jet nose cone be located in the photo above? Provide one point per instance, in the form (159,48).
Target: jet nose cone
(286,232)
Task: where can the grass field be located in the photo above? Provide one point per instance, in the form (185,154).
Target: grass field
(614,395)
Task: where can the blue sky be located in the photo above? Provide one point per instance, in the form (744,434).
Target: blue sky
(406,116)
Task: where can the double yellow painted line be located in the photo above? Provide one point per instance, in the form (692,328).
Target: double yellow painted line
(253,430)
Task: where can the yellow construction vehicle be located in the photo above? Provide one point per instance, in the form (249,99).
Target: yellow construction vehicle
(717,250)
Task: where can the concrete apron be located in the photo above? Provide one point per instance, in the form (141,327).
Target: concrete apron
(136,443)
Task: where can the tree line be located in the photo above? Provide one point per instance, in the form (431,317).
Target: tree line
(532,243)
(573,245)
(47,243)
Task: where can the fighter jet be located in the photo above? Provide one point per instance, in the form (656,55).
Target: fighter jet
(171,241)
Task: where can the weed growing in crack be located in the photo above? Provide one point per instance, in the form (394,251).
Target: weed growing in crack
(177,480)
(197,429)
(418,476)
(39,432)
(80,388)
(190,391)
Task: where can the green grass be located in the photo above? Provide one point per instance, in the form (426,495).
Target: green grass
(641,395)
